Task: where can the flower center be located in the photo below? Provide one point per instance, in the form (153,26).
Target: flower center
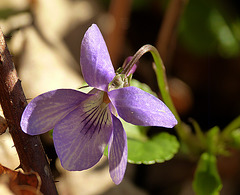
(106,99)
(119,81)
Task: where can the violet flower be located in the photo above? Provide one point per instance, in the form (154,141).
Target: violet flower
(84,124)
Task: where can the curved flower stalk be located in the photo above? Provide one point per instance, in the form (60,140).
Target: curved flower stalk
(84,124)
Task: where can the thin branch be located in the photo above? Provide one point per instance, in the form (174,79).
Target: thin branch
(120,11)
(30,151)
(168,31)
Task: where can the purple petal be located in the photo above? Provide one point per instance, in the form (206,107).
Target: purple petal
(96,65)
(44,111)
(141,108)
(81,137)
(117,151)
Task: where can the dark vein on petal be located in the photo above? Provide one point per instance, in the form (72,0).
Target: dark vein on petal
(96,115)
(92,114)
(92,122)
(93,109)
(106,119)
(101,115)
(101,118)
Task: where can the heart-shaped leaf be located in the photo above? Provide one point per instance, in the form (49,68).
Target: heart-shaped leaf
(159,148)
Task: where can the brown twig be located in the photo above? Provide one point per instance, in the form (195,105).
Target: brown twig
(167,35)
(30,151)
(120,11)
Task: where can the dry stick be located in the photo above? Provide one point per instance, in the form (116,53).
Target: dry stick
(120,11)
(167,35)
(30,150)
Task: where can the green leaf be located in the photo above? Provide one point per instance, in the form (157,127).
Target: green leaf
(134,131)
(144,150)
(51,133)
(199,133)
(159,148)
(142,86)
(85,88)
(235,124)
(235,138)
(206,179)
(213,140)
(206,29)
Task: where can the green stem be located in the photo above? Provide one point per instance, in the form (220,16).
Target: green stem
(161,79)
(164,89)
